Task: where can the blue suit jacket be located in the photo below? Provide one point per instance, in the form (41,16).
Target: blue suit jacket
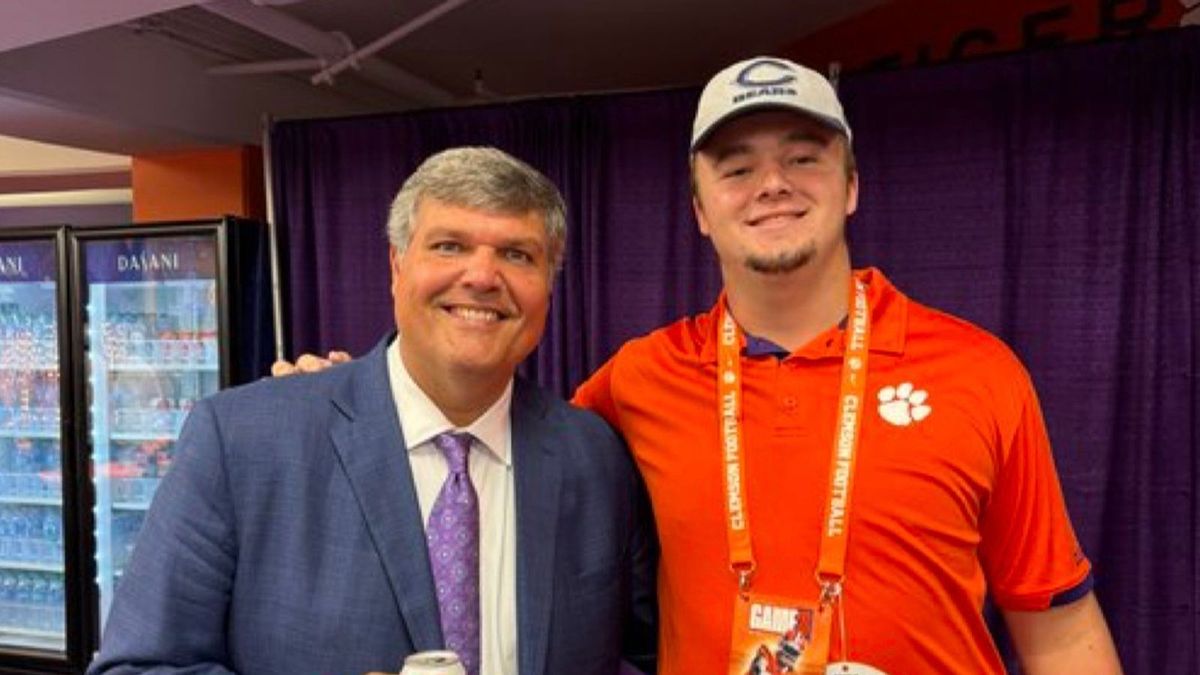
(287,539)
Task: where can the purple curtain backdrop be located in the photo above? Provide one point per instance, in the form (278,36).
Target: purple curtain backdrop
(1050,197)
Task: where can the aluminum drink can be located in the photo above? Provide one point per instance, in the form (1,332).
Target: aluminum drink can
(433,663)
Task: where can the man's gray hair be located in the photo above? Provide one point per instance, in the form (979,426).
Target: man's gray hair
(486,179)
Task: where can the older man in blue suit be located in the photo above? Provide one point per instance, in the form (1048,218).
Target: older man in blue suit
(419,498)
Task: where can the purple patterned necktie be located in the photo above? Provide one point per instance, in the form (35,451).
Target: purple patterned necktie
(453,536)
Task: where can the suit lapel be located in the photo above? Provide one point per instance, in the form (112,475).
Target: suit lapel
(370,446)
(538,477)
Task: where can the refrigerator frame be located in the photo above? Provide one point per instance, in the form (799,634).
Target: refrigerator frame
(74,657)
(88,612)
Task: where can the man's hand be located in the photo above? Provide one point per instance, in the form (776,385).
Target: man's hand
(308,363)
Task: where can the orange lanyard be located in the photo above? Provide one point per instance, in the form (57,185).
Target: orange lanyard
(729,407)
(831,565)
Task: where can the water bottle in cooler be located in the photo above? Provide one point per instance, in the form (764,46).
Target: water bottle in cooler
(35,544)
(55,599)
(22,597)
(46,401)
(20,526)
(208,324)
(124,534)
(7,335)
(52,535)
(7,541)
(168,338)
(39,595)
(52,469)
(22,457)
(47,339)
(112,338)
(121,404)
(23,344)
(139,339)
(9,616)
(8,392)
(7,455)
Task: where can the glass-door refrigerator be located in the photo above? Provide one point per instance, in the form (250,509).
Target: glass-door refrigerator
(36,519)
(131,327)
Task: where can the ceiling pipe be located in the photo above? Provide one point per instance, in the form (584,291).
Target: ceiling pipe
(67,198)
(399,33)
(268,67)
(326,45)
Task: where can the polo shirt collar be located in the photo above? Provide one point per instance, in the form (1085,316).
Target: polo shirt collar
(889,322)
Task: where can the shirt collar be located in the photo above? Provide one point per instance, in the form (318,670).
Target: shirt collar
(421,419)
(889,319)
(759,346)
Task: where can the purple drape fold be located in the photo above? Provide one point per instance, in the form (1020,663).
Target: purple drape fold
(1051,197)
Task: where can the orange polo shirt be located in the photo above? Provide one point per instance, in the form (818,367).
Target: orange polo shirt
(955,491)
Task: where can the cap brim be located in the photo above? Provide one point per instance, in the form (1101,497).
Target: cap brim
(828,121)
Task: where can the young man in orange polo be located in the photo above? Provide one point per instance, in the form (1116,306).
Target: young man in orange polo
(839,475)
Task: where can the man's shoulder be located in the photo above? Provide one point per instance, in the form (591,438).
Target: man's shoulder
(683,338)
(566,416)
(581,435)
(931,329)
(954,350)
(667,354)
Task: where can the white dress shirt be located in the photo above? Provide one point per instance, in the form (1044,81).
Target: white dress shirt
(490,465)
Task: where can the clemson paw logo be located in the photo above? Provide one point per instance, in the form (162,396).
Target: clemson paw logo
(903,404)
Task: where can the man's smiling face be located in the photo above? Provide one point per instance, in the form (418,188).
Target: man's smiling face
(773,190)
(471,291)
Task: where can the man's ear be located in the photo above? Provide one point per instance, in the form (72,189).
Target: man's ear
(394,263)
(852,194)
(698,211)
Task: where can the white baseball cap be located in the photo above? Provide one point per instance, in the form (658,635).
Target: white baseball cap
(766,82)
